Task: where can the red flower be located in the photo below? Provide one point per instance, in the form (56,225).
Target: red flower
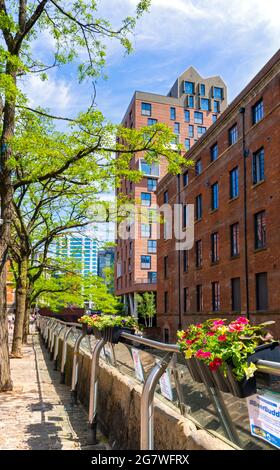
(222,338)
(203,354)
(242,320)
(215,364)
(210,333)
(189,341)
(199,325)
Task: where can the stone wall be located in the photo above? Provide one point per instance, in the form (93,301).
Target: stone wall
(119,411)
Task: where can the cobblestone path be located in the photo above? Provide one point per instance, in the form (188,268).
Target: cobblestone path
(37,414)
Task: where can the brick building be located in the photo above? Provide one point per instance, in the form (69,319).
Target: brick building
(234,264)
(191,106)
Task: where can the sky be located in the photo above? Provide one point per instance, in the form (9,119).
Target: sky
(231,38)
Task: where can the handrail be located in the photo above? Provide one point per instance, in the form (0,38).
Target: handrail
(46,325)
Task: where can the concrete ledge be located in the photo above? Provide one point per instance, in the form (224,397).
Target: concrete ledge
(119,412)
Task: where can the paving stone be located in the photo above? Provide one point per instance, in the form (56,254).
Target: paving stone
(37,414)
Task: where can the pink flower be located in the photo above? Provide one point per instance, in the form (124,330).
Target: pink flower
(203,354)
(218,322)
(235,327)
(215,364)
(222,338)
(242,320)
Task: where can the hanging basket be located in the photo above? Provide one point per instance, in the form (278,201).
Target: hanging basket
(200,372)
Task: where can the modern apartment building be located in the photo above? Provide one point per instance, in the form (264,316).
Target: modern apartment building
(105,260)
(189,109)
(234,264)
(80,248)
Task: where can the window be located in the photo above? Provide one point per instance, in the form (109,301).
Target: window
(198,253)
(187,115)
(176,128)
(199,299)
(152,277)
(165,266)
(214,118)
(198,167)
(191,101)
(172,113)
(165,301)
(235,295)
(233,135)
(166,335)
(146,109)
(204,104)
(185,260)
(217,93)
(147,169)
(257,112)
(198,207)
(185,215)
(261,291)
(152,122)
(215,247)
(146,230)
(198,117)
(202,89)
(165,197)
(233,183)
(214,152)
(191,133)
(260,230)
(187,144)
(215,296)
(145,262)
(189,88)
(200,130)
(258,166)
(215,196)
(146,199)
(234,239)
(151,184)
(216,107)
(186,178)
(152,246)
(186,299)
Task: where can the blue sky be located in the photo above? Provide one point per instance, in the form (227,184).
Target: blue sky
(231,38)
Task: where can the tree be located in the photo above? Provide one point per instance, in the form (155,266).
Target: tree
(147,307)
(74,27)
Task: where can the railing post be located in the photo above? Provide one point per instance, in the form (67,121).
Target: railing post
(56,347)
(64,353)
(52,338)
(49,323)
(75,369)
(147,403)
(94,390)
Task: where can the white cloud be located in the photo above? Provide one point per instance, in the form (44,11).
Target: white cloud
(50,93)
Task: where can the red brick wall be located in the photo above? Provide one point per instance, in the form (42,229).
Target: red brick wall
(264,196)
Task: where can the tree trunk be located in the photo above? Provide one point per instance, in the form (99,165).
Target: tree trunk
(28,311)
(21,294)
(5,375)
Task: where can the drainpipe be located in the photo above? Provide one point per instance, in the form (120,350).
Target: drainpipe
(179,260)
(245,155)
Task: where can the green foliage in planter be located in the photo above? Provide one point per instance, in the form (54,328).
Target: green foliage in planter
(218,343)
(108,321)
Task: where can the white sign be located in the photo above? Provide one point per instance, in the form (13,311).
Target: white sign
(264,415)
(165,385)
(137,364)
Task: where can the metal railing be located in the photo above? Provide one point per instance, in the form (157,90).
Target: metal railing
(51,328)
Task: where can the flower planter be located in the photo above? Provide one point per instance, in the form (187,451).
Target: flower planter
(201,373)
(86,329)
(112,334)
